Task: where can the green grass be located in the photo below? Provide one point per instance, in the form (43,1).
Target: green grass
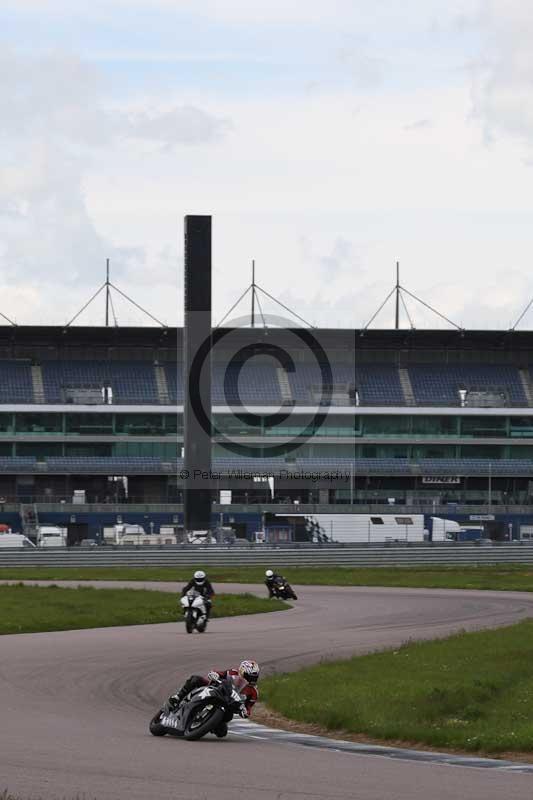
(29,609)
(472,691)
(517,577)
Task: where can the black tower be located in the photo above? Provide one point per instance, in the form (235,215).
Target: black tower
(197,373)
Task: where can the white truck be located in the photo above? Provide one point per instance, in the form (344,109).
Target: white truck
(51,536)
(444,530)
(15,540)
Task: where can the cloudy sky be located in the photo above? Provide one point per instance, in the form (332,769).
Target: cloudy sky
(328,140)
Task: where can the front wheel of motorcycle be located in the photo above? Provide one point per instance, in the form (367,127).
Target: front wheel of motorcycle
(156,729)
(203,721)
(189,622)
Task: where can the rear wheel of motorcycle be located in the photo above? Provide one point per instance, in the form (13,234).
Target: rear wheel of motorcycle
(189,623)
(209,724)
(294,597)
(156,729)
(201,627)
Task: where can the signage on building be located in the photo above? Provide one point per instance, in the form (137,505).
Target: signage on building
(447,479)
(481,517)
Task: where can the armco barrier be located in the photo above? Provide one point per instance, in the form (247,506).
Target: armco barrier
(345,556)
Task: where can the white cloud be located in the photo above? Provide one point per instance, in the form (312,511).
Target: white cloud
(56,130)
(183,125)
(502,77)
(418,125)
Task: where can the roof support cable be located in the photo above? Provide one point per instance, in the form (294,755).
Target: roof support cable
(130,300)
(260,310)
(384,303)
(87,304)
(402,301)
(434,310)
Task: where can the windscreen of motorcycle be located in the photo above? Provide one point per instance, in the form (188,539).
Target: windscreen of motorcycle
(239,683)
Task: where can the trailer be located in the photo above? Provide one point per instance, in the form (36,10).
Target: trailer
(135,535)
(370,528)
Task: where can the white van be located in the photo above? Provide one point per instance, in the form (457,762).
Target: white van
(17,540)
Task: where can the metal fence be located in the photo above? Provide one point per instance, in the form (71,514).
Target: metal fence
(388,555)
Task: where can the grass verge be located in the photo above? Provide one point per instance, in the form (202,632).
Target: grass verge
(30,609)
(508,577)
(471,692)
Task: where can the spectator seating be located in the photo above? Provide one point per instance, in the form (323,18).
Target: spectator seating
(175,381)
(308,383)
(15,382)
(379,385)
(253,385)
(132,382)
(435,384)
(135,465)
(258,385)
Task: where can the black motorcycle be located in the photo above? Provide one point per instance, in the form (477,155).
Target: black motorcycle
(194,611)
(283,590)
(200,712)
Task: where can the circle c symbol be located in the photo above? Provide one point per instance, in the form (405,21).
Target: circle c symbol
(318,419)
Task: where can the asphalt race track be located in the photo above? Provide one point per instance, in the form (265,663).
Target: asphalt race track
(75,705)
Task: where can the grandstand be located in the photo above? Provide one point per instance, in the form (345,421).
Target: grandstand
(415,419)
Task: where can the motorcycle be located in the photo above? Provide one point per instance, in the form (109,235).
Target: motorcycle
(195,611)
(201,711)
(283,590)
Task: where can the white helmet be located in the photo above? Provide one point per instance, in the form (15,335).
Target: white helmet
(249,670)
(199,576)
(269,573)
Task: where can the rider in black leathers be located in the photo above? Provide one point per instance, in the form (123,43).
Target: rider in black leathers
(271,578)
(203,586)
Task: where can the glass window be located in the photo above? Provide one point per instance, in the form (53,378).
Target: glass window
(173,423)
(164,450)
(434,451)
(89,424)
(250,425)
(521,426)
(435,425)
(336,425)
(386,451)
(333,451)
(381,425)
(39,449)
(521,452)
(482,451)
(39,423)
(6,423)
(99,450)
(483,426)
(140,424)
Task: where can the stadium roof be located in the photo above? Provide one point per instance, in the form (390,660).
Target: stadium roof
(30,336)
